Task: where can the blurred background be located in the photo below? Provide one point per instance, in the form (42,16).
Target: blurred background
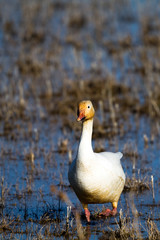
(53,54)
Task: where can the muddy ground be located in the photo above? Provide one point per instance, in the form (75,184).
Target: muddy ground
(52,55)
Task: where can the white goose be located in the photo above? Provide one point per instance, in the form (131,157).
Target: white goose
(95,177)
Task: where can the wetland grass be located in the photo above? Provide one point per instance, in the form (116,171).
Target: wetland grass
(55,54)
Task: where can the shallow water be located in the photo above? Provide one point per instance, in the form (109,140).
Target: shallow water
(52,55)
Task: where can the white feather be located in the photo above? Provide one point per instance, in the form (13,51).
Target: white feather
(96,177)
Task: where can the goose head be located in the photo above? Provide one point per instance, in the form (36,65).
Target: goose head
(85,111)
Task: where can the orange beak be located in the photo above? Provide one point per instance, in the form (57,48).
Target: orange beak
(81,115)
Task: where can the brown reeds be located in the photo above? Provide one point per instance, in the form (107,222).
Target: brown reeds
(54,54)
(63,196)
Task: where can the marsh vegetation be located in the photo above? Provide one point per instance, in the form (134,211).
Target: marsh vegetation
(52,55)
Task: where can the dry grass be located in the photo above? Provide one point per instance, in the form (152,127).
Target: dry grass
(133,184)
(54,54)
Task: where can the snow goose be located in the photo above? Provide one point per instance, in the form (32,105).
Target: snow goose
(95,177)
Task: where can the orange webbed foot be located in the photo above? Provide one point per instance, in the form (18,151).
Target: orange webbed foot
(107,212)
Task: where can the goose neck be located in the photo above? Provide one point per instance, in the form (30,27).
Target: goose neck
(86,136)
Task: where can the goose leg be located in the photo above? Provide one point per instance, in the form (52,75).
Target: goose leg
(87,212)
(107,212)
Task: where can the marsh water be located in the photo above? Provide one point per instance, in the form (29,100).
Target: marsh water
(52,55)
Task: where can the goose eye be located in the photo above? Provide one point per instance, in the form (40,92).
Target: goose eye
(88,106)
